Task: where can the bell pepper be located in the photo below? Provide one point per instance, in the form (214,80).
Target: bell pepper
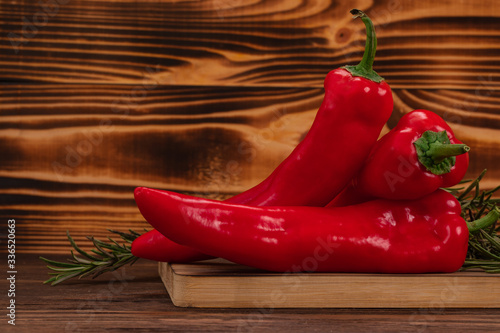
(356,105)
(380,236)
(418,156)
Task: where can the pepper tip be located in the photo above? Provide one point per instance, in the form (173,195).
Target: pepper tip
(138,191)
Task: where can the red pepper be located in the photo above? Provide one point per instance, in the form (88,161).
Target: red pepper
(418,156)
(381,236)
(356,105)
(153,245)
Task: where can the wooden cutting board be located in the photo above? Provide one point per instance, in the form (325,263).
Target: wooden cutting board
(222,284)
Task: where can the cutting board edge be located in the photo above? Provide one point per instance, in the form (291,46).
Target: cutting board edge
(173,284)
(197,291)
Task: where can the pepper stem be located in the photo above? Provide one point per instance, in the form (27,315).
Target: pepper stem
(485,221)
(436,153)
(365,67)
(442,151)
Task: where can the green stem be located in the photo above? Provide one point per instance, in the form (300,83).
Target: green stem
(366,63)
(365,67)
(485,221)
(436,153)
(440,152)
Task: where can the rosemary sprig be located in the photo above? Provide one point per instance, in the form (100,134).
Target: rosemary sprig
(484,246)
(106,257)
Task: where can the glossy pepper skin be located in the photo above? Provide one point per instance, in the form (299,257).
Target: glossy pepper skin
(381,236)
(393,170)
(356,105)
(164,249)
(330,154)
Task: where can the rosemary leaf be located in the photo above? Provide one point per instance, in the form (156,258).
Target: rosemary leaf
(62,278)
(83,253)
(80,260)
(493,240)
(57,263)
(59,269)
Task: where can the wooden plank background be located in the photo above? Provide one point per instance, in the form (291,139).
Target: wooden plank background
(207,97)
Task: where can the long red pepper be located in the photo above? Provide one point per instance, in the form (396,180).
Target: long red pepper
(418,156)
(381,236)
(356,105)
(153,245)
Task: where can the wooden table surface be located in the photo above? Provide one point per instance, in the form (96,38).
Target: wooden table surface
(135,300)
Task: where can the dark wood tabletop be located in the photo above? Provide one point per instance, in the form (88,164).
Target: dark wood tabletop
(134,299)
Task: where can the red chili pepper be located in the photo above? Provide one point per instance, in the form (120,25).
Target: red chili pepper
(356,105)
(418,156)
(381,236)
(153,245)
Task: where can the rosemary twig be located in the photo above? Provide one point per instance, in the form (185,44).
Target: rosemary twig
(106,257)
(484,246)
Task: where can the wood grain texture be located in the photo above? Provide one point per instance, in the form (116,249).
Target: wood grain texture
(423,44)
(136,301)
(207,97)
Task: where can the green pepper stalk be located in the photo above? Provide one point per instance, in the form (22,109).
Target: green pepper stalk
(365,67)
(485,221)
